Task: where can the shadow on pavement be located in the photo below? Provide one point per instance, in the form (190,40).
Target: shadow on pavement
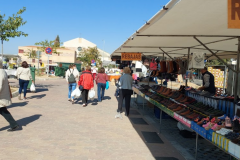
(41,90)
(37,96)
(20,104)
(107,98)
(45,86)
(25,121)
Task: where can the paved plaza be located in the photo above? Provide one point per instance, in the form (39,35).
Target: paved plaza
(53,128)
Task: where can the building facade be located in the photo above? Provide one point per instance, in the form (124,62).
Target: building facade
(67,54)
(83,43)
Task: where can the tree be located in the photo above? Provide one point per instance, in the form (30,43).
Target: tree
(31,54)
(57,41)
(44,44)
(9,27)
(216,62)
(87,54)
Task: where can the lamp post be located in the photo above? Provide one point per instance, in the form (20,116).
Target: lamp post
(103,52)
(2,43)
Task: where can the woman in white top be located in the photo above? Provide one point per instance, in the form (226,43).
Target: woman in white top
(72,77)
(24,75)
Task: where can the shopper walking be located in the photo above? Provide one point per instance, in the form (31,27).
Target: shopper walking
(86,81)
(24,76)
(94,72)
(5,99)
(125,92)
(72,77)
(101,80)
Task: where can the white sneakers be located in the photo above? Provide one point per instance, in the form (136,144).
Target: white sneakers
(19,97)
(118,115)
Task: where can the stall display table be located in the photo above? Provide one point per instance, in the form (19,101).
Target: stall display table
(113,76)
(216,139)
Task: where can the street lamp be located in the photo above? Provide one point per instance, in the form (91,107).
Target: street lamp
(103,51)
(1,33)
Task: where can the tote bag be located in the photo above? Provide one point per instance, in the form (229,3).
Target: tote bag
(153,65)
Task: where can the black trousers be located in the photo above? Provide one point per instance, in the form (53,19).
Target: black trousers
(85,96)
(124,93)
(7,115)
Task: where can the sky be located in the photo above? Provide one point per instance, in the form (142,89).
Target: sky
(112,21)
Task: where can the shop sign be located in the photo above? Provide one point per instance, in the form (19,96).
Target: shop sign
(131,57)
(234,14)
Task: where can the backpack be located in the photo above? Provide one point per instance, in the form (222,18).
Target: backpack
(71,78)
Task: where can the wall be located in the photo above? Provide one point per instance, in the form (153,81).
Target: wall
(66,55)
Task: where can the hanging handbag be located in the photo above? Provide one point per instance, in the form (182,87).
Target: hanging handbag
(153,65)
(146,62)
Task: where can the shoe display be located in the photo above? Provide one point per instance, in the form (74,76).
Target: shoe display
(204,113)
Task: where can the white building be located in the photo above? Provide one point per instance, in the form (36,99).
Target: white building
(83,43)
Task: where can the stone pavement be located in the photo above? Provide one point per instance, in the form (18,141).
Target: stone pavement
(53,128)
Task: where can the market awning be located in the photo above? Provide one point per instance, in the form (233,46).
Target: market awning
(173,28)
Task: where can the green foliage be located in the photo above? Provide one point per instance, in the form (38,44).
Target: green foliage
(87,54)
(31,54)
(44,44)
(216,62)
(110,66)
(57,41)
(9,27)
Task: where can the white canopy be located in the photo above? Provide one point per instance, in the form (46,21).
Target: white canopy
(173,28)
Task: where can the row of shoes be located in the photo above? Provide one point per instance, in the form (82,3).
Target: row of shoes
(216,96)
(192,104)
(206,109)
(234,137)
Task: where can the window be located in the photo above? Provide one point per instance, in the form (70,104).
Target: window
(20,51)
(33,60)
(50,61)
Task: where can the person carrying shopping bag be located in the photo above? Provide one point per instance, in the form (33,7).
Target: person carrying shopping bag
(85,84)
(101,80)
(72,77)
(24,76)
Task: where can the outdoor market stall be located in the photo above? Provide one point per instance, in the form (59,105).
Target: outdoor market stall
(183,27)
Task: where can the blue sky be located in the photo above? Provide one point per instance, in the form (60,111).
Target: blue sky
(95,20)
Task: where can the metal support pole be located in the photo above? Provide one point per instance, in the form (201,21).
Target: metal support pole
(160,122)
(187,65)
(196,151)
(237,74)
(2,49)
(143,103)
(48,66)
(214,54)
(162,75)
(38,54)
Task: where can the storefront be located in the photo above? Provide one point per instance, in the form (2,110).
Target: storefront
(173,39)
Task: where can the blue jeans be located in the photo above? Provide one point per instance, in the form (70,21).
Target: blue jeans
(71,87)
(101,86)
(23,85)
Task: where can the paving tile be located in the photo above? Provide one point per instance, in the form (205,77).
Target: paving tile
(53,128)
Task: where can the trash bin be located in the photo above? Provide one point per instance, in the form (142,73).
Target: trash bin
(32,70)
